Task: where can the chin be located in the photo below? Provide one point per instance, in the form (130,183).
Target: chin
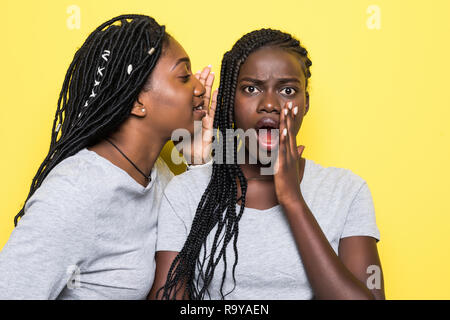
(267,159)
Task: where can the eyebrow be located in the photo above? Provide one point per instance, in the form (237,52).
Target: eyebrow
(184,59)
(281,80)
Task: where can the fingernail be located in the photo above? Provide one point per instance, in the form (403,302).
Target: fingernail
(284,132)
(209,65)
(212,72)
(290,105)
(295,111)
(285,112)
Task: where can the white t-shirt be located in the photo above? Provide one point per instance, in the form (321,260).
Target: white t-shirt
(269,264)
(89,232)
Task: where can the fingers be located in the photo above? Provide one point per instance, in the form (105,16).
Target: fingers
(292,143)
(208,121)
(208,88)
(285,125)
(206,78)
(283,132)
(284,138)
(300,150)
(212,109)
(204,74)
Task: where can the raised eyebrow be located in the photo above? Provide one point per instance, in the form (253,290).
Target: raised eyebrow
(252,80)
(286,80)
(280,80)
(181,60)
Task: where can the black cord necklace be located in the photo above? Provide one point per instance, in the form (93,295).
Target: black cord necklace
(147,178)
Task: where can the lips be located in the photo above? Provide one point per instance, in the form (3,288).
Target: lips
(198,111)
(266,138)
(199,106)
(267,123)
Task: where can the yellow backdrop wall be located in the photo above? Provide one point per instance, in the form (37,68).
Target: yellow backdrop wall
(379,102)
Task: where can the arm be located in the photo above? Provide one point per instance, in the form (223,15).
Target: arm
(50,242)
(172,233)
(164,260)
(331,277)
(199,150)
(357,254)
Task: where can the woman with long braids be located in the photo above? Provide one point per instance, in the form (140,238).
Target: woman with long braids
(88,227)
(226,230)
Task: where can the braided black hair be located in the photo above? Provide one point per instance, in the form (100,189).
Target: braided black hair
(217,206)
(101,85)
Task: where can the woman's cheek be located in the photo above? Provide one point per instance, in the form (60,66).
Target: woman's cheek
(238,117)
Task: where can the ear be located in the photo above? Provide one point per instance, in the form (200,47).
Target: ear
(139,110)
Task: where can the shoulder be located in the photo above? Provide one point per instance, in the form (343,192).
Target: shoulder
(164,174)
(78,173)
(318,170)
(341,201)
(337,179)
(194,179)
(184,192)
(71,187)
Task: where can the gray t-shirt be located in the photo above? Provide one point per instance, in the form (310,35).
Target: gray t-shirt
(89,232)
(269,264)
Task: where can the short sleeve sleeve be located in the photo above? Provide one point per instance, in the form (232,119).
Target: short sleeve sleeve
(172,230)
(360,219)
(50,241)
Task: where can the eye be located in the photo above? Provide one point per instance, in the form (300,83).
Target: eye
(185,78)
(289,91)
(250,89)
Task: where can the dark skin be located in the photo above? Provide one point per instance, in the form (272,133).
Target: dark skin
(331,276)
(262,89)
(165,104)
(271,80)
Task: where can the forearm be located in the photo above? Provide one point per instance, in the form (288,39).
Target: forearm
(156,294)
(328,276)
(164,260)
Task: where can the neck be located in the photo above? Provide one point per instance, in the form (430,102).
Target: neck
(254,170)
(140,145)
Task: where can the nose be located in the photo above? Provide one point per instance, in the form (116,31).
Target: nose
(199,89)
(269,103)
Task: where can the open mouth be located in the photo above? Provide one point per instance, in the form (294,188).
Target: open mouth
(267,131)
(198,111)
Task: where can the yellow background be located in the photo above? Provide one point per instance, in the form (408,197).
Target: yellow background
(379,103)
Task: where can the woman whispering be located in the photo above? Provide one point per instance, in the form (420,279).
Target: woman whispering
(88,226)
